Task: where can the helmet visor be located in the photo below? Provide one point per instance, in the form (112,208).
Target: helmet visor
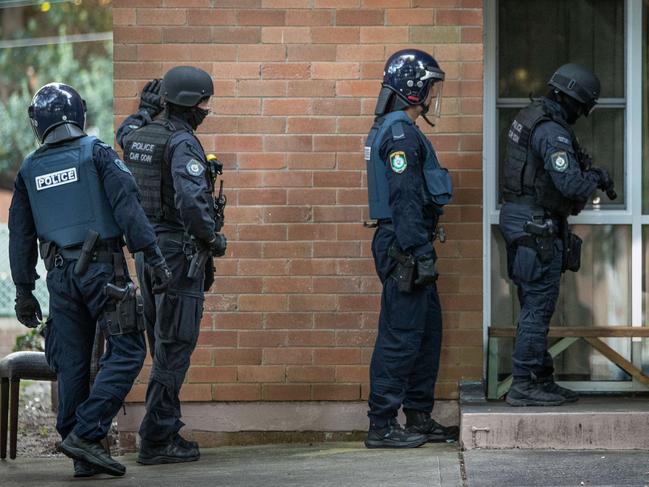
(435,100)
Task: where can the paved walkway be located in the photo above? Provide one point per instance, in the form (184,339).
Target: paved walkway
(321,465)
(543,468)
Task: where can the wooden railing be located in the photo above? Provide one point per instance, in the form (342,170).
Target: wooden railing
(569,335)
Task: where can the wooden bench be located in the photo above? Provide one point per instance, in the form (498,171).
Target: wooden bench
(569,335)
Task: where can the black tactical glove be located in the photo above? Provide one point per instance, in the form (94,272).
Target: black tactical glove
(219,245)
(160,272)
(605,182)
(150,99)
(426,270)
(28,311)
(209,275)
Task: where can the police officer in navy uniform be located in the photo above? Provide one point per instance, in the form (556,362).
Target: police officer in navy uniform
(407,190)
(548,177)
(176,182)
(71,187)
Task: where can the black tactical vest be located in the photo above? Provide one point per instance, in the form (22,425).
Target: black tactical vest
(144,151)
(525,176)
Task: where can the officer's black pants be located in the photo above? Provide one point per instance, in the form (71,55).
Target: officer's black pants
(406,355)
(173,323)
(538,290)
(76,303)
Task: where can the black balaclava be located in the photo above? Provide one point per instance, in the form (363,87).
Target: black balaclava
(194,116)
(572,107)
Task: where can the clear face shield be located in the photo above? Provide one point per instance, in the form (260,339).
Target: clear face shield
(433,103)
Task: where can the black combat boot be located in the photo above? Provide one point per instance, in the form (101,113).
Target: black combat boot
(421,422)
(83,469)
(530,392)
(178,450)
(392,435)
(185,443)
(550,386)
(92,453)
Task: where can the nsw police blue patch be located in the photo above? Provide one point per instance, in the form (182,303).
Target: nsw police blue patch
(195,168)
(119,163)
(559,161)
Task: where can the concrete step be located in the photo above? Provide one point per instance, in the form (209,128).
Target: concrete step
(592,423)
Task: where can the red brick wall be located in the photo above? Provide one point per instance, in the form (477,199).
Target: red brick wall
(293,313)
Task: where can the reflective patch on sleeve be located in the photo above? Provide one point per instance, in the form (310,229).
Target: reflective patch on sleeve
(367,153)
(564,140)
(195,168)
(119,163)
(398,161)
(559,161)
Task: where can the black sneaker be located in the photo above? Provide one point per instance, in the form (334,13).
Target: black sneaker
(83,469)
(529,392)
(93,453)
(392,435)
(550,386)
(421,422)
(178,450)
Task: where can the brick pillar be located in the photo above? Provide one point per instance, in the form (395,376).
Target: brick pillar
(293,313)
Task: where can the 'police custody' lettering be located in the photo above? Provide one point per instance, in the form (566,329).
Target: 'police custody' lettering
(57,178)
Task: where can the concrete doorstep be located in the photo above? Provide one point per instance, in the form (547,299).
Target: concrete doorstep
(319,465)
(592,423)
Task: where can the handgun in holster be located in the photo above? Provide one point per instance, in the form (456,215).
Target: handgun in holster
(404,271)
(125,310)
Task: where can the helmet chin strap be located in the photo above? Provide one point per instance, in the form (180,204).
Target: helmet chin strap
(424,111)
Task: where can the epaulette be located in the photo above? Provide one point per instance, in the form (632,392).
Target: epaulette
(397,131)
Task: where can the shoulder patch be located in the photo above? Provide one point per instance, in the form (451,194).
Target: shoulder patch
(195,168)
(398,161)
(559,161)
(564,140)
(120,164)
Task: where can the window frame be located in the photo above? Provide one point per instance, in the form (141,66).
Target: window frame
(631,215)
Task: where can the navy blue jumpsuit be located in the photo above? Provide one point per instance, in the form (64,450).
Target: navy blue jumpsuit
(173,317)
(406,355)
(77,303)
(537,282)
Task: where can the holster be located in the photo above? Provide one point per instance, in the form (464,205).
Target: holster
(544,246)
(124,312)
(572,253)
(404,271)
(48,254)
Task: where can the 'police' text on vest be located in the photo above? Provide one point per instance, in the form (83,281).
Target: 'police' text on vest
(58,178)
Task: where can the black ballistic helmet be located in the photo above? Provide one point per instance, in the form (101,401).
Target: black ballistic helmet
(578,83)
(410,73)
(53,105)
(186,86)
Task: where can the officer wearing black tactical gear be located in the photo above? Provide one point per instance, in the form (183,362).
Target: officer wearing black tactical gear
(548,177)
(79,200)
(177,182)
(407,191)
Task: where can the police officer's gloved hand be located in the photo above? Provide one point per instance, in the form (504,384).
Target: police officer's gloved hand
(28,310)
(150,99)
(218,245)
(426,270)
(605,182)
(160,272)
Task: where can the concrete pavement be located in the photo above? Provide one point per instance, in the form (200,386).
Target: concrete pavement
(321,465)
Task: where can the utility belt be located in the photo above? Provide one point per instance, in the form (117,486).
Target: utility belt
(437,233)
(103,251)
